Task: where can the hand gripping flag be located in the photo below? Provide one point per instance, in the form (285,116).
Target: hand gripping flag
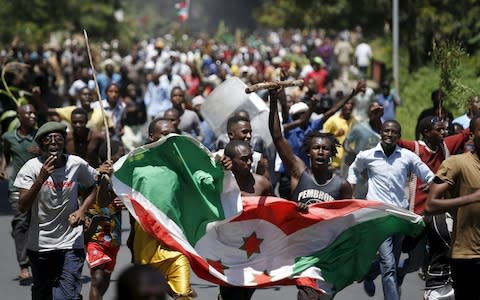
(179,194)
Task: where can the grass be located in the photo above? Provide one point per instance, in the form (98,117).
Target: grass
(416,88)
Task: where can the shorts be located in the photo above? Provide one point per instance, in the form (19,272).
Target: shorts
(98,255)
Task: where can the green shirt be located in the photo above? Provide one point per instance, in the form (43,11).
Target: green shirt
(18,148)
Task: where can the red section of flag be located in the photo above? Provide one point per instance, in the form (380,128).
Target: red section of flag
(217,265)
(284,215)
(262,278)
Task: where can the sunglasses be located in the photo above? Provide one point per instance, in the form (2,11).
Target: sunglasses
(53,137)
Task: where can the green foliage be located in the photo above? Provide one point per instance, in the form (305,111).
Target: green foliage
(223,33)
(416,87)
(448,57)
(32,21)
(335,15)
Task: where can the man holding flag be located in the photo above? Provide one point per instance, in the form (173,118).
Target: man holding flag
(181,195)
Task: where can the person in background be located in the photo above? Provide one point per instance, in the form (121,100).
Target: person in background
(189,120)
(208,134)
(135,119)
(114,108)
(436,110)
(94,115)
(473,109)
(319,75)
(83,141)
(363,136)
(363,54)
(339,126)
(157,97)
(107,77)
(389,100)
(18,147)
(361,103)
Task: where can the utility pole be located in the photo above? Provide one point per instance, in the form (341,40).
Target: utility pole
(395,45)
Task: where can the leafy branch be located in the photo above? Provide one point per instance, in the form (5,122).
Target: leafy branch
(448,57)
(17,69)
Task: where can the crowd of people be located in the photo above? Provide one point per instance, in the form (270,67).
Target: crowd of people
(335,138)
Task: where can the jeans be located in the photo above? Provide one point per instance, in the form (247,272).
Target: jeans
(20,224)
(389,251)
(57,274)
(415,260)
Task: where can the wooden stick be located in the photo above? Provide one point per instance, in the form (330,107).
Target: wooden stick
(104,115)
(272,85)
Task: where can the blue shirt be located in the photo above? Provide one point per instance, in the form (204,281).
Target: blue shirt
(297,135)
(157,99)
(389,106)
(103,81)
(387,175)
(463,120)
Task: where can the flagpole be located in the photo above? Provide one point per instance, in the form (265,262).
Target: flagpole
(104,115)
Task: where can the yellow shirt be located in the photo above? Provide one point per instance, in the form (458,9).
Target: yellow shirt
(95,117)
(334,125)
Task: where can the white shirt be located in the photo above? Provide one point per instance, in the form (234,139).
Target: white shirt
(363,53)
(387,175)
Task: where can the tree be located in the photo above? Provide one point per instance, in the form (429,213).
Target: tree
(421,21)
(32,21)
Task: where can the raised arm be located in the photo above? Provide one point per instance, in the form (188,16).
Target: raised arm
(292,163)
(303,120)
(361,86)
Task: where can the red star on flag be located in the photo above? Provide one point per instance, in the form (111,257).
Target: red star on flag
(262,278)
(251,244)
(217,265)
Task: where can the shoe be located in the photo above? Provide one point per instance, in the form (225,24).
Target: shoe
(369,287)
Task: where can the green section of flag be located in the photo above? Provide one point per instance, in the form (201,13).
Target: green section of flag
(178,177)
(349,257)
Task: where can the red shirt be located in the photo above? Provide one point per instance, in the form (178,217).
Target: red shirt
(433,159)
(320,77)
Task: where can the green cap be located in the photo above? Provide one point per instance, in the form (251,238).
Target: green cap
(50,127)
(318,60)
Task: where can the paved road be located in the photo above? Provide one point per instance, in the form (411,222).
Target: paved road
(10,289)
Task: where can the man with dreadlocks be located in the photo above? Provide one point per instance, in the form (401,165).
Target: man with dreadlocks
(309,186)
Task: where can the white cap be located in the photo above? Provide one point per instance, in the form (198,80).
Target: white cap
(299,107)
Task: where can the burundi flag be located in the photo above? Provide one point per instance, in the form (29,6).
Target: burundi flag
(182,10)
(179,194)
